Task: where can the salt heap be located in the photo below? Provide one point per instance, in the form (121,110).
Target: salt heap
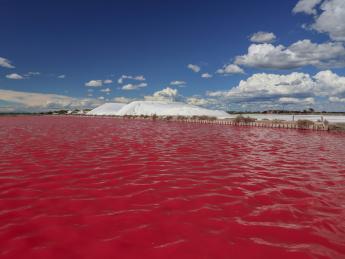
(159,108)
(107,109)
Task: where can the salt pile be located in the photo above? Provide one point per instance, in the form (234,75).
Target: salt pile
(159,108)
(107,109)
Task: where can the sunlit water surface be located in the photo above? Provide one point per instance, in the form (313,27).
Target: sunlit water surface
(77,187)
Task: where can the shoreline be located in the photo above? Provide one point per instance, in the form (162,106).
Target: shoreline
(243,122)
(316,126)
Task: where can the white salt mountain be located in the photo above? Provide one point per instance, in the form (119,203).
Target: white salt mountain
(107,109)
(159,108)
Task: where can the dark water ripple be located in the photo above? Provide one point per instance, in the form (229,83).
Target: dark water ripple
(108,188)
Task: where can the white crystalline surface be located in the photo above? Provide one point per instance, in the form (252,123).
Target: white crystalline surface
(162,108)
(288,117)
(168,109)
(107,109)
(159,108)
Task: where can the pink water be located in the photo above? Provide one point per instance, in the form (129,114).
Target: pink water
(77,187)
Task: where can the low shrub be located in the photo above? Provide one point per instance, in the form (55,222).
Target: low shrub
(204,117)
(337,126)
(277,121)
(240,118)
(304,124)
(180,117)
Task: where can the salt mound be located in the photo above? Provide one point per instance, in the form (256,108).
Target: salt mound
(107,109)
(161,108)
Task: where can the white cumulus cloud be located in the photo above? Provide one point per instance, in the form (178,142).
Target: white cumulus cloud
(299,54)
(106,90)
(122,99)
(200,101)
(94,83)
(230,69)
(139,78)
(14,76)
(206,75)
(135,78)
(330,83)
(306,6)
(194,68)
(167,94)
(177,82)
(4,62)
(107,81)
(33,74)
(263,37)
(330,19)
(129,87)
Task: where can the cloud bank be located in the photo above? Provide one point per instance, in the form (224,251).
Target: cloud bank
(291,88)
(27,101)
(299,54)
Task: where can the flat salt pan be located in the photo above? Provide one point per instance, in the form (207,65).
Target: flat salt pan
(288,117)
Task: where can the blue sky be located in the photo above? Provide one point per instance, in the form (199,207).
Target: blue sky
(70,43)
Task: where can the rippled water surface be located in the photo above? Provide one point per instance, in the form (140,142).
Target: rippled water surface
(78,187)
